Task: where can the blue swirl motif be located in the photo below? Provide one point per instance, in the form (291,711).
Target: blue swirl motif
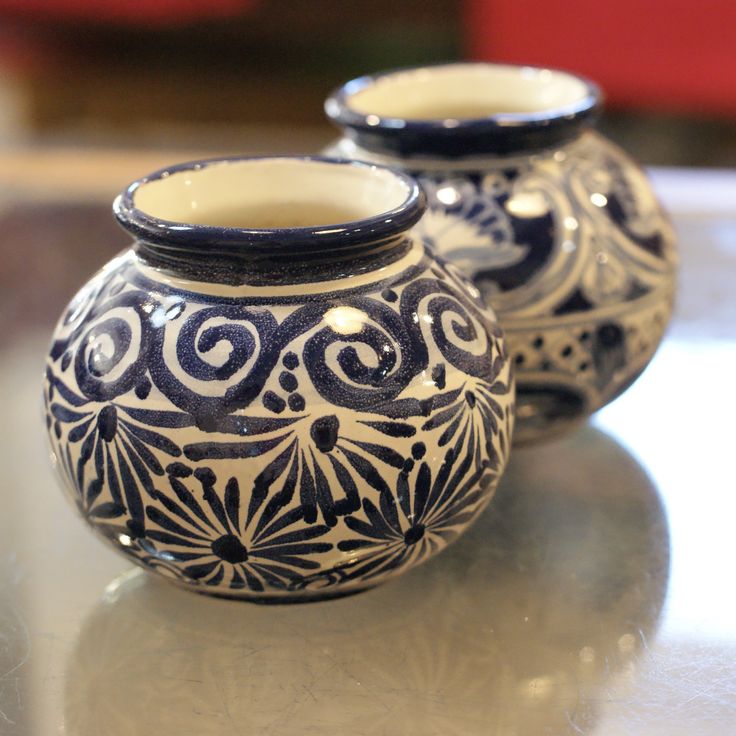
(154,390)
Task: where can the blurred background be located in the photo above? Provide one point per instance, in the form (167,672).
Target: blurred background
(95,93)
(238,75)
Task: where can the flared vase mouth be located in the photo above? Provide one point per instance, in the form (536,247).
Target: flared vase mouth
(464,109)
(269,207)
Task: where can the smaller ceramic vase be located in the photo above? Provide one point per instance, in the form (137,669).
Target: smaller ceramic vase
(556,226)
(277,393)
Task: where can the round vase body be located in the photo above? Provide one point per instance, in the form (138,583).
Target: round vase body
(556,226)
(282,412)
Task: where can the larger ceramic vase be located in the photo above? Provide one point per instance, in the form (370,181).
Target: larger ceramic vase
(556,226)
(277,393)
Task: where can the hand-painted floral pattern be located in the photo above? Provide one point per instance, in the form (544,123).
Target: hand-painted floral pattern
(115,451)
(240,444)
(222,540)
(422,514)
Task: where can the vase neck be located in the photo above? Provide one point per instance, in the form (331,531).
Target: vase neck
(280,268)
(418,164)
(270,220)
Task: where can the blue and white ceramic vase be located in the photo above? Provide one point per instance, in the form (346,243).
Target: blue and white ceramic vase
(277,393)
(557,227)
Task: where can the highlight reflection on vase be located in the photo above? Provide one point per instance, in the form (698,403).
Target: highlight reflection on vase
(516,629)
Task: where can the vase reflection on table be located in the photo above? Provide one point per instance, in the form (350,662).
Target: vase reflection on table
(556,226)
(554,593)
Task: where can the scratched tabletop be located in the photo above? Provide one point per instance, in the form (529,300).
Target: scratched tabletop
(596,595)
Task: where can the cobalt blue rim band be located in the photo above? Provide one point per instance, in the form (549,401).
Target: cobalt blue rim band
(496,134)
(249,244)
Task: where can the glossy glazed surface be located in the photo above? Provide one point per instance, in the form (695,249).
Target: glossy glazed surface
(304,438)
(572,250)
(594,595)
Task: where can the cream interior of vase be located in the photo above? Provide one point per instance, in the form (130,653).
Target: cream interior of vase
(271,193)
(467,91)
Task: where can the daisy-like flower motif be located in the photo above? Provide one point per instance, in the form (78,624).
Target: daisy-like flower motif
(424,513)
(218,542)
(329,458)
(325,466)
(115,453)
(475,406)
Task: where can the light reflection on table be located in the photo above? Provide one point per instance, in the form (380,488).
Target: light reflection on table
(691,460)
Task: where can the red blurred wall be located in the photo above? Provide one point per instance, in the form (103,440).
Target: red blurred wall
(672,55)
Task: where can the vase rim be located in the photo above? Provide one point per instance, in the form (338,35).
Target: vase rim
(382,122)
(402,207)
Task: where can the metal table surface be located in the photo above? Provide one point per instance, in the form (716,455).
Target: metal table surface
(596,595)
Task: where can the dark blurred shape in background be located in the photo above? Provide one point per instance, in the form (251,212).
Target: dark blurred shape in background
(269,62)
(189,73)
